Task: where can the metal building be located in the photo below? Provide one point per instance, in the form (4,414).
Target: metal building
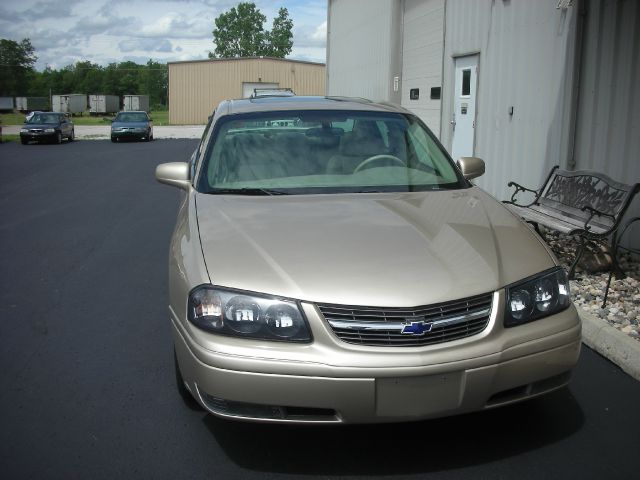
(104,104)
(135,103)
(30,104)
(6,103)
(523,84)
(196,87)
(72,103)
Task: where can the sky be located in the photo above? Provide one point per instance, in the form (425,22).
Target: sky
(104,31)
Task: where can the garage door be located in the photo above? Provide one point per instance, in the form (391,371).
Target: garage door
(247,87)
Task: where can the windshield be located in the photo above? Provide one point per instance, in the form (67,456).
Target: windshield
(131,117)
(44,118)
(298,152)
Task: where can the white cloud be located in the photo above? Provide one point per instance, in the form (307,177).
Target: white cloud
(320,35)
(179,25)
(308,36)
(145,45)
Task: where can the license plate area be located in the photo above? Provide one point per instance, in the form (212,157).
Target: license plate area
(416,396)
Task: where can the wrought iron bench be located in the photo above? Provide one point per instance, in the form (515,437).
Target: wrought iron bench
(583,203)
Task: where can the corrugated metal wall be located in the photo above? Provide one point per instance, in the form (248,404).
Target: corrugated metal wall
(526,51)
(608,127)
(196,88)
(422,49)
(363,48)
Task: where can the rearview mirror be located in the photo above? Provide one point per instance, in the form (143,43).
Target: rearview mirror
(471,167)
(175,174)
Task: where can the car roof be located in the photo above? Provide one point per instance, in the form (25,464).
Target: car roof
(42,112)
(279,103)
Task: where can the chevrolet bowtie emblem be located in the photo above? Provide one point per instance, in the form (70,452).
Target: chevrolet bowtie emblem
(416,328)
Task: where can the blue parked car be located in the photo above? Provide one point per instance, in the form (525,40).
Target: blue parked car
(132,126)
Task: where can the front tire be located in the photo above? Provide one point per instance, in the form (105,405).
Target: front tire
(24,141)
(72,137)
(114,139)
(58,138)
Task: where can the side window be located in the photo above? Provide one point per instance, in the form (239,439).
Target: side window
(195,157)
(346,126)
(384,131)
(426,153)
(466,83)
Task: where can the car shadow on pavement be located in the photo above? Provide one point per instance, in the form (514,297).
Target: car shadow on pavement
(406,448)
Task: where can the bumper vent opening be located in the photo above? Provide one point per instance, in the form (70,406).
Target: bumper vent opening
(256,411)
(530,390)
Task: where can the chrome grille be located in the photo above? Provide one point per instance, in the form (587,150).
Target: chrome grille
(440,323)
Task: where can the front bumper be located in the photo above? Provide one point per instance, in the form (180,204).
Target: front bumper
(39,136)
(380,385)
(129,135)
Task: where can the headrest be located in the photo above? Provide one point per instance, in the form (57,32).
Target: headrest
(355,144)
(324,137)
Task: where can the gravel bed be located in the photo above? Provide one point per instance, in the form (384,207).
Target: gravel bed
(622,310)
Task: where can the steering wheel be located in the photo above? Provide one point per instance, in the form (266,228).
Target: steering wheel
(369,162)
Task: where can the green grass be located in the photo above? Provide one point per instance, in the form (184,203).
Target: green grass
(11,119)
(160,118)
(10,138)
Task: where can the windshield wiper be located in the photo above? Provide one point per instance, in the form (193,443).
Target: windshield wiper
(246,191)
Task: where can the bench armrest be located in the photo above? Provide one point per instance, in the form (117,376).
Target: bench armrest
(593,213)
(519,188)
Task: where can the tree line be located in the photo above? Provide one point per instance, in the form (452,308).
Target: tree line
(18,77)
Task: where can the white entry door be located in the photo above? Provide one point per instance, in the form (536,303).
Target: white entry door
(464,107)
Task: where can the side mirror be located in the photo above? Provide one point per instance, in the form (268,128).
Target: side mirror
(471,167)
(175,174)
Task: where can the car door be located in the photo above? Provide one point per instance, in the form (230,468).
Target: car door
(65,126)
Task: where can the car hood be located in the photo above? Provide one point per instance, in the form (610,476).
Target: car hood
(129,124)
(41,125)
(403,249)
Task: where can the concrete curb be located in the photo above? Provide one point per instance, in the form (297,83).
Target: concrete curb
(611,343)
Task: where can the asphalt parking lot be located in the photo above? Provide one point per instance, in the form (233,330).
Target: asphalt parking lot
(87,370)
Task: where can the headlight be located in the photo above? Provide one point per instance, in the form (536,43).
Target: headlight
(24,130)
(246,315)
(537,297)
(50,130)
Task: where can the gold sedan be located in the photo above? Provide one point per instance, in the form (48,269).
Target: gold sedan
(330,263)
